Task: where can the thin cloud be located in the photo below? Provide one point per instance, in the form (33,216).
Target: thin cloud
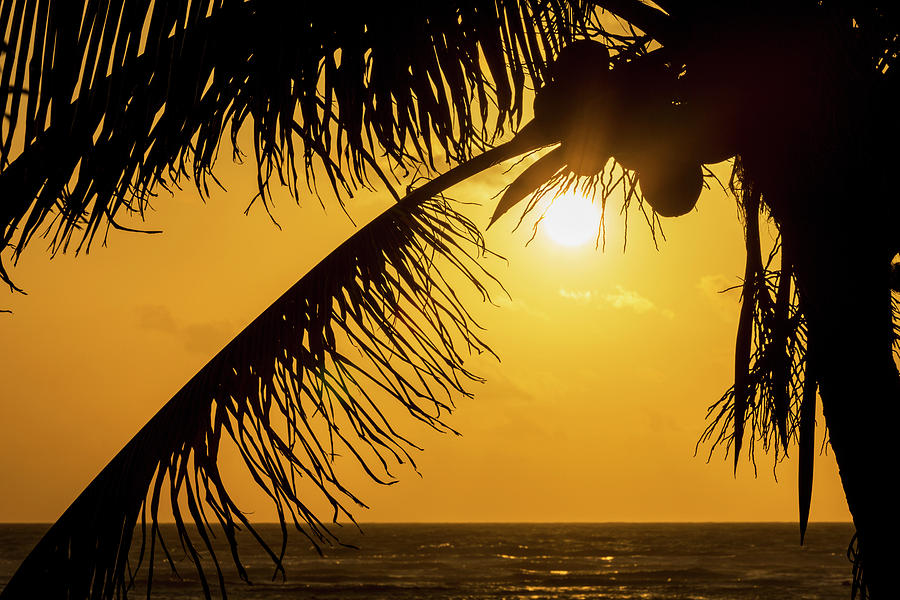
(630,299)
(579,296)
(156,317)
(201,338)
(205,338)
(519,305)
(719,291)
(620,299)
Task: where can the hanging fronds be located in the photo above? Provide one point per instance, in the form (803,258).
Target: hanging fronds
(854,555)
(876,28)
(379,321)
(109,101)
(772,401)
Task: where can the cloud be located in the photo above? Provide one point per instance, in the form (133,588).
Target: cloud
(629,299)
(202,338)
(717,291)
(621,298)
(205,338)
(155,317)
(505,391)
(519,305)
(659,421)
(578,296)
(715,285)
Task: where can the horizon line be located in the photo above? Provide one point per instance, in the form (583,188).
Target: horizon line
(363,523)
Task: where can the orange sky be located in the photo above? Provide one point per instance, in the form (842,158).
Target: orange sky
(609,361)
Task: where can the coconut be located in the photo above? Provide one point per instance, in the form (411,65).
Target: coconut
(671,186)
(577,78)
(573,106)
(579,60)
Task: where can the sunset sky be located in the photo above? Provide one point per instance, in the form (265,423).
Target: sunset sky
(609,362)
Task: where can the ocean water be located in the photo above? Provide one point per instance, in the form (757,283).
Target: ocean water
(526,561)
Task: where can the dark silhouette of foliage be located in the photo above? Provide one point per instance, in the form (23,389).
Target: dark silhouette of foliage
(138,96)
(291,398)
(158,89)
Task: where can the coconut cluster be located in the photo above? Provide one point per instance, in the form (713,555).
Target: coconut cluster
(637,113)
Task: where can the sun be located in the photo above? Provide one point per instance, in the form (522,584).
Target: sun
(572,220)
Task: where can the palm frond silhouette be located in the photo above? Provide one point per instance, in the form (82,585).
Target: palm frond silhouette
(108,102)
(290,399)
(138,97)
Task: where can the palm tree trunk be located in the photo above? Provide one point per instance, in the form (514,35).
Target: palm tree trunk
(843,272)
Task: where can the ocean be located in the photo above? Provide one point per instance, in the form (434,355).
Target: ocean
(615,561)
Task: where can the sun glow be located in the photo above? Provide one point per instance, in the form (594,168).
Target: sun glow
(572,220)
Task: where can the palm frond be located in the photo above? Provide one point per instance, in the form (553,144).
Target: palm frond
(876,27)
(140,95)
(381,316)
(855,556)
(773,399)
(644,16)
